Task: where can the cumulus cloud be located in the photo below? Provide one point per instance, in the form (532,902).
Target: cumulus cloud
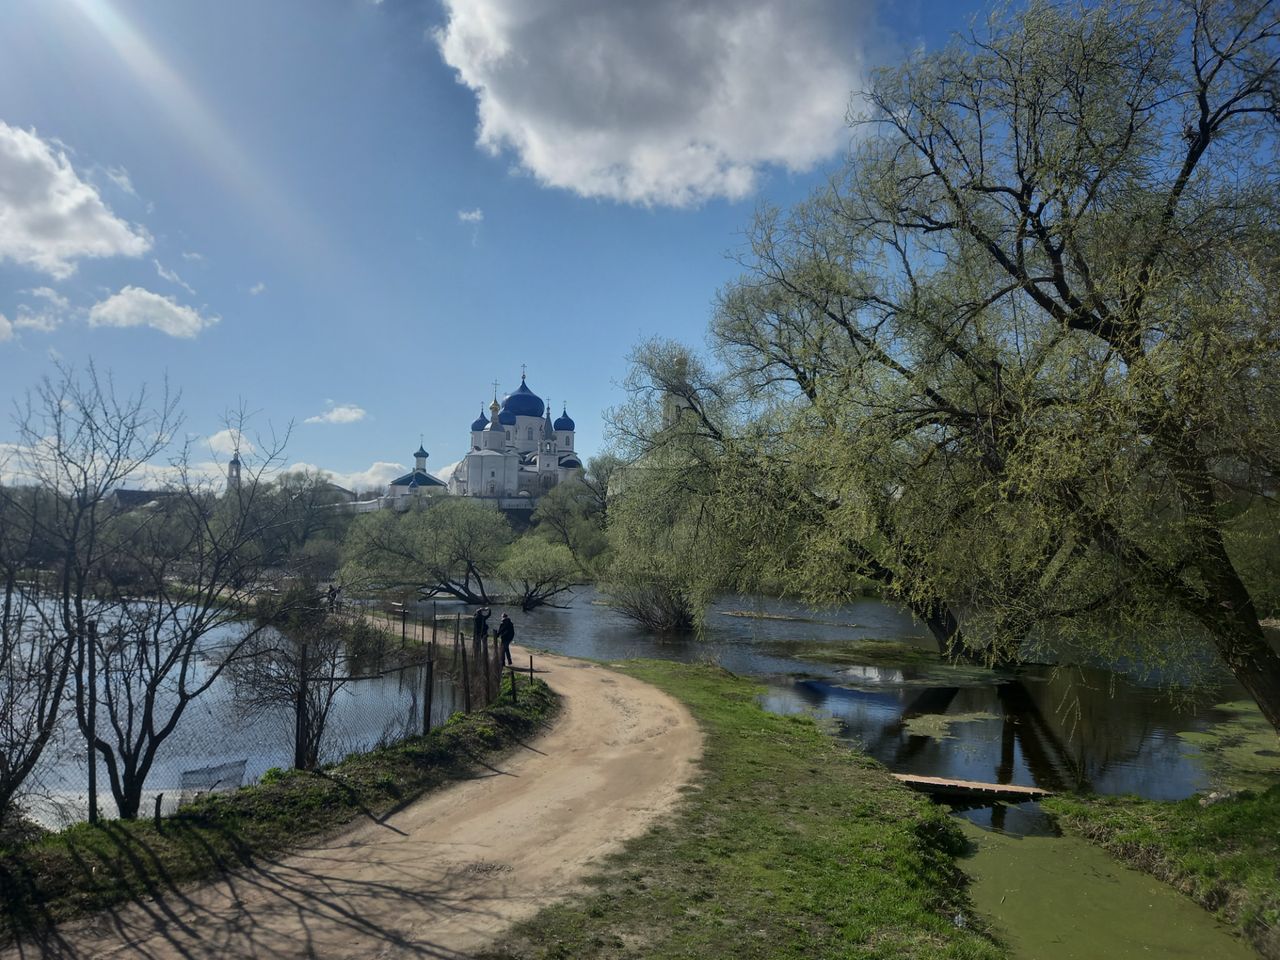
(659,101)
(137,307)
(172,277)
(471,216)
(257,288)
(45,315)
(228,441)
(6,329)
(377,475)
(342,413)
(120,177)
(49,216)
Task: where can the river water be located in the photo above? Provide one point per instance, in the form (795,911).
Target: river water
(871,674)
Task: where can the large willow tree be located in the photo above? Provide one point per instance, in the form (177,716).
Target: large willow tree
(1024,350)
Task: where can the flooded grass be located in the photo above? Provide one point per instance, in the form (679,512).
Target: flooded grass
(788,846)
(938,725)
(1242,751)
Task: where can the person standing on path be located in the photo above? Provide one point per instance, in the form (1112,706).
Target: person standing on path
(481,624)
(506,633)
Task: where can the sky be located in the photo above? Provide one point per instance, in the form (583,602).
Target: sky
(348,218)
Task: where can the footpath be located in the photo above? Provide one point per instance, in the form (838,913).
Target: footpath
(447,875)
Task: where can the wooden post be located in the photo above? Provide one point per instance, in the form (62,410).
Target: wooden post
(433,622)
(488,668)
(531,669)
(514,697)
(466,681)
(429,689)
(159,798)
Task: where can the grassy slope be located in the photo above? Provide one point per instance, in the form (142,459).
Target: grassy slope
(791,846)
(1225,855)
(86,868)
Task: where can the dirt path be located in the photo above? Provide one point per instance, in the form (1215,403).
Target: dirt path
(445,876)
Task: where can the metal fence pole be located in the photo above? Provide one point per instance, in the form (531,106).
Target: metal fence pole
(92,705)
(300,715)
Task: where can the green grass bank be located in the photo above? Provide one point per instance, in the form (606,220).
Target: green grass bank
(790,845)
(86,868)
(1224,855)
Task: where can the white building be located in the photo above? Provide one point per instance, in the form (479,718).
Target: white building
(517,453)
(415,483)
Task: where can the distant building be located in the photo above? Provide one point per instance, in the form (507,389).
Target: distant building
(517,453)
(417,482)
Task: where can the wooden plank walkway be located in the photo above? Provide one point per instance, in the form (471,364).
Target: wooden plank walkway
(970,789)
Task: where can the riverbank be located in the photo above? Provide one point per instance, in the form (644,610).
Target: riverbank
(1225,854)
(84,868)
(789,846)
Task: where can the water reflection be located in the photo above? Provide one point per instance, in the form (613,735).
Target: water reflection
(1056,728)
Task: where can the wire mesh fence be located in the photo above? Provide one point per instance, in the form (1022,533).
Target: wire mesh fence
(393,676)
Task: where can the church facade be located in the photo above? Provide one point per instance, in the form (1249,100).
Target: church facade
(517,453)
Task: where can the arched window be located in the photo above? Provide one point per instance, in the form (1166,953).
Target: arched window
(531,433)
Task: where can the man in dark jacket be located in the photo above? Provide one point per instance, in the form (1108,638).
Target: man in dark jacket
(506,633)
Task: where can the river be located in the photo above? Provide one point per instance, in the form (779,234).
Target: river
(870,673)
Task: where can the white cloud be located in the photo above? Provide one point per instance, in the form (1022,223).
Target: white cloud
(120,177)
(376,476)
(446,472)
(172,277)
(49,217)
(659,102)
(193,256)
(257,288)
(342,413)
(6,329)
(136,307)
(228,441)
(471,216)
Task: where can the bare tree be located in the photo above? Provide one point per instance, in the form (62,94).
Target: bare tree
(301,669)
(135,595)
(34,660)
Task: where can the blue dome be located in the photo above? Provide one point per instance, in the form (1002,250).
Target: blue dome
(523,402)
(480,422)
(564,421)
(507,418)
(421,452)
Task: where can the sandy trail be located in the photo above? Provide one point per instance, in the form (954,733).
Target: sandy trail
(446,875)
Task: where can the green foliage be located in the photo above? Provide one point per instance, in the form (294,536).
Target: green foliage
(538,570)
(449,545)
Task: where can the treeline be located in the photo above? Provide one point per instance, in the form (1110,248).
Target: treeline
(468,550)
(1018,364)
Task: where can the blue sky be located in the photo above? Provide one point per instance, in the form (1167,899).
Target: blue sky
(355,215)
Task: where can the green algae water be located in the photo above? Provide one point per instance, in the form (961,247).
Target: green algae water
(1061,898)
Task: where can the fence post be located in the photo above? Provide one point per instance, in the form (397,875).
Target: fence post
(514,697)
(466,680)
(300,715)
(531,669)
(92,705)
(488,668)
(159,798)
(433,621)
(430,688)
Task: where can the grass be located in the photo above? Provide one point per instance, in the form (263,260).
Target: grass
(1225,855)
(85,868)
(789,846)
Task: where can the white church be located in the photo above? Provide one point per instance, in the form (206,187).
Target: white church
(517,453)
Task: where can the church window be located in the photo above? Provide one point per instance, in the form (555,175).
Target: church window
(531,433)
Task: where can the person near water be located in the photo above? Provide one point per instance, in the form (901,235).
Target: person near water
(481,623)
(506,633)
